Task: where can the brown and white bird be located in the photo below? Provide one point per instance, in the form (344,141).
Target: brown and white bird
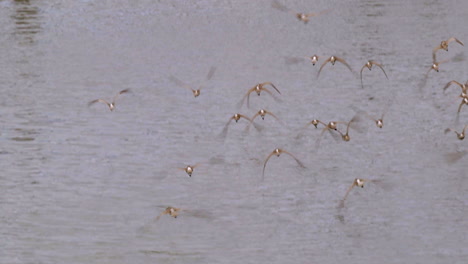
(258,89)
(236,118)
(444,44)
(369,65)
(346,136)
(460,136)
(171,211)
(111,105)
(278,152)
(332,60)
(314,59)
(196,92)
(357,182)
(304,17)
(189,169)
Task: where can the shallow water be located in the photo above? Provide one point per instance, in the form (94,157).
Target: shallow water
(83,185)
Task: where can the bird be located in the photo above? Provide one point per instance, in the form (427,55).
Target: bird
(464,87)
(314,59)
(435,66)
(172,211)
(378,121)
(236,118)
(444,44)
(359,182)
(369,65)
(346,136)
(111,105)
(262,113)
(189,169)
(196,92)
(333,59)
(330,127)
(258,88)
(304,17)
(278,152)
(463,102)
(461,135)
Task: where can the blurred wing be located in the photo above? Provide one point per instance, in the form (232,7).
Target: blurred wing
(323,65)
(99,100)
(455,39)
(277,5)
(344,62)
(361,74)
(121,92)
(264,164)
(180,83)
(380,66)
(296,159)
(450,83)
(272,85)
(349,190)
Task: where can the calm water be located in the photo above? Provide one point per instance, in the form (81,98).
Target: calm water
(82,184)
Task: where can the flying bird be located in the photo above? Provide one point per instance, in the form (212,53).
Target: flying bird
(304,17)
(369,65)
(236,118)
(189,169)
(464,87)
(332,60)
(357,182)
(444,44)
(171,211)
(111,105)
(460,136)
(258,89)
(196,92)
(278,152)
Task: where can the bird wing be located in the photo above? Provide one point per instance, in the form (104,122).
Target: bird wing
(247,95)
(99,100)
(279,6)
(319,13)
(225,129)
(381,67)
(119,93)
(452,82)
(460,106)
(180,83)
(349,190)
(454,39)
(323,65)
(264,164)
(344,62)
(361,74)
(208,76)
(161,214)
(273,115)
(296,159)
(272,85)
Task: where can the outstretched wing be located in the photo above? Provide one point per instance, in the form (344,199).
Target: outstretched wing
(272,85)
(117,95)
(323,65)
(99,100)
(294,157)
(264,164)
(347,192)
(344,62)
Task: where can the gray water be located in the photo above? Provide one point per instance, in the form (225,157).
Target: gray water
(83,184)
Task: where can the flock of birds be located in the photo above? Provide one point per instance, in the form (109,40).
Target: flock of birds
(331,127)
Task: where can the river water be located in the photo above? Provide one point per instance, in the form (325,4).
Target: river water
(83,184)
